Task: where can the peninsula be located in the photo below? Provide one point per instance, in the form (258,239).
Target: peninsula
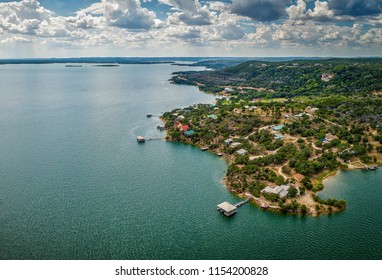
(285,126)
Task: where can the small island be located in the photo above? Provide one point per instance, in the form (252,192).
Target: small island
(286,126)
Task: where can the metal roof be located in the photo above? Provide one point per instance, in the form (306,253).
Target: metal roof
(226,206)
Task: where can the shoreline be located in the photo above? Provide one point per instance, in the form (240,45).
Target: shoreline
(271,206)
(254,167)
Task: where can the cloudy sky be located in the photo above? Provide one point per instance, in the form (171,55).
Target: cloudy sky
(72,28)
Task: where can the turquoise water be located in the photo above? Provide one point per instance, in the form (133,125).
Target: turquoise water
(75,184)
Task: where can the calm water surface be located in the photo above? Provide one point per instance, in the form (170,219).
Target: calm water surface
(75,184)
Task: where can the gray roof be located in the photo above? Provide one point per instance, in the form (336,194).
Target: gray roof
(226,206)
(282,190)
(242,152)
(283,194)
(235,144)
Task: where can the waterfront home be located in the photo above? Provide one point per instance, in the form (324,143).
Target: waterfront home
(282,190)
(228,141)
(189,133)
(180,118)
(328,138)
(178,125)
(212,116)
(278,127)
(326,77)
(298,177)
(235,145)
(300,115)
(278,136)
(227,209)
(229,90)
(314,110)
(184,128)
(242,152)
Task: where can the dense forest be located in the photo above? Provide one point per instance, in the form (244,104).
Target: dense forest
(292,78)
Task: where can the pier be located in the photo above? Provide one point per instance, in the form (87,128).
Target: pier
(243,202)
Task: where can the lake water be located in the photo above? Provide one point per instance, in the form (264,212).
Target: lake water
(75,184)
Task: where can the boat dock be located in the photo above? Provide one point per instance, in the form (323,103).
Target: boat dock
(227,209)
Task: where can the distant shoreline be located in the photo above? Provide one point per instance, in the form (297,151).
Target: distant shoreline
(158,60)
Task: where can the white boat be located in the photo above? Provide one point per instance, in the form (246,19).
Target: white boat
(140,139)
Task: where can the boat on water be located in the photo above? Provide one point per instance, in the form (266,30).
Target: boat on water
(140,139)
(149,115)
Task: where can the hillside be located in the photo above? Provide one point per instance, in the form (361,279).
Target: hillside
(292,78)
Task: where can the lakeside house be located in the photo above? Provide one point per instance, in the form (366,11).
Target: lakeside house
(229,90)
(235,145)
(212,116)
(326,77)
(278,127)
(242,152)
(184,128)
(189,133)
(278,136)
(311,109)
(298,177)
(282,190)
(228,141)
(300,115)
(328,138)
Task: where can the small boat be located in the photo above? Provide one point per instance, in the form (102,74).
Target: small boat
(140,139)
(204,148)
(220,154)
(149,115)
